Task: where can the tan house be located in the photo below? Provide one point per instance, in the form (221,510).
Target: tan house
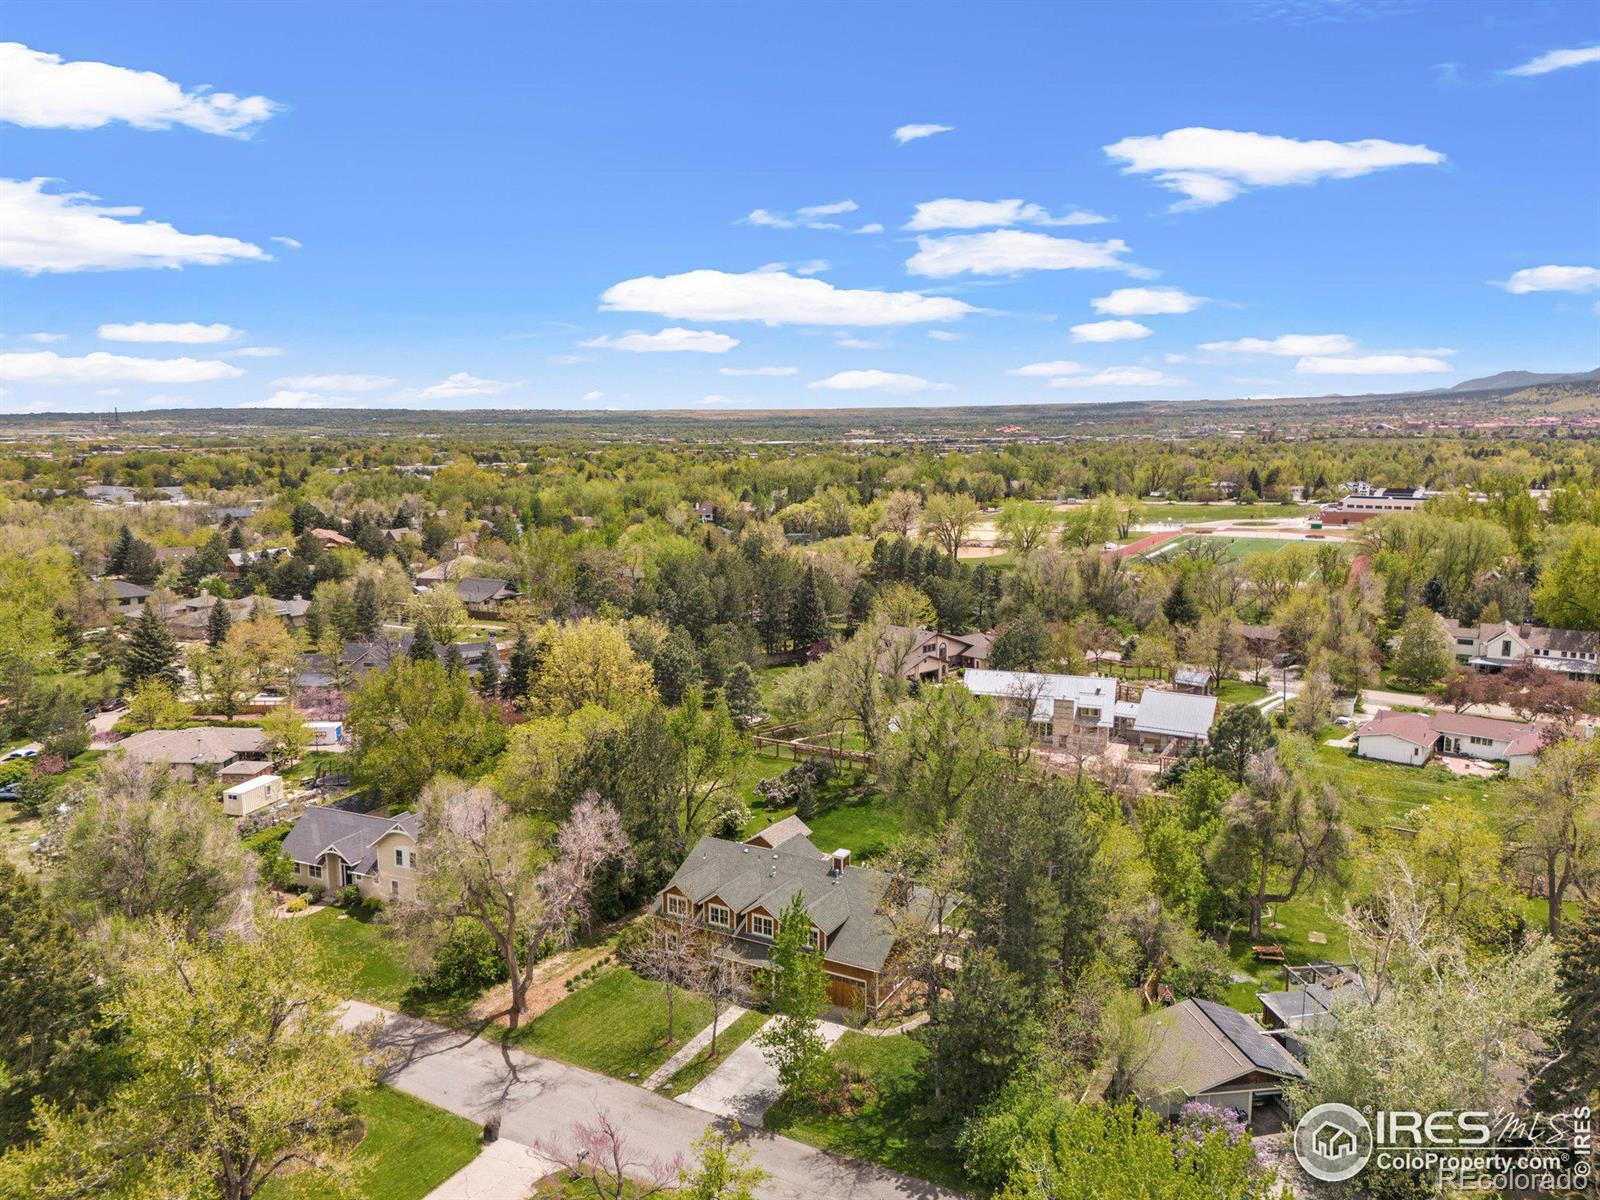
(935,655)
(740,890)
(1210,1053)
(334,848)
(1496,645)
(187,751)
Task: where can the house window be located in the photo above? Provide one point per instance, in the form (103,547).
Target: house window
(399,858)
(760,926)
(314,872)
(718,916)
(394,887)
(1505,648)
(677,906)
(813,938)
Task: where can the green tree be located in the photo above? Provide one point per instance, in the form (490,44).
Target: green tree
(54,1043)
(1180,607)
(808,619)
(1573,1077)
(947,744)
(236,1070)
(521,668)
(1556,819)
(414,720)
(368,616)
(797,993)
(1568,594)
(422,648)
(1239,735)
(721,1170)
(151,652)
(979,1033)
(743,693)
(217,623)
(284,736)
(1023,645)
(489,668)
(1422,653)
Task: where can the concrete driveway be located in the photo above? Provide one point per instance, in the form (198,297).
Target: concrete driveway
(746,1084)
(539,1101)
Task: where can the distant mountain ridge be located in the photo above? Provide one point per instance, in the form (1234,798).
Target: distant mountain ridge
(1520,379)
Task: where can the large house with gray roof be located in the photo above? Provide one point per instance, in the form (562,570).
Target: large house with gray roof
(1201,1051)
(234,752)
(740,890)
(1496,645)
(1078,710)
(334,848)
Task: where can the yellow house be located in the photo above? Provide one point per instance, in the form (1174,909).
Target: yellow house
(335,849)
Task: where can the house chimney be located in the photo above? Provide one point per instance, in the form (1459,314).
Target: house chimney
(841,860)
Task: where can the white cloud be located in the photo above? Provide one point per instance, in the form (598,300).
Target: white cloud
(717,399)
(1288,345)
(44,92)
(1109,331)
(290,242)
(874,227)
(878,381)
(108,391)
(1371,364)
(910,133)
(943,335)
(255,352)
(1555,60)
(46,366)
(1142,302)
(291,399)
(462,385)
(1047,370)
(1116,377)
(1209,166)
(187,332)
(700,341)
(591,397)
(812,266)
(984,214)
(57,232)
(763,371)
(45,339)
(1553,279)
(776,298)
(334,383)
(810,217)
(855,343)
(1006,251)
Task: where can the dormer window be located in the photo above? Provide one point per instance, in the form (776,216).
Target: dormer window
(813,938)
(676,905)
(718,917)
(760,926)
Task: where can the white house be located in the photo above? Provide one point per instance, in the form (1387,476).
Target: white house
(1500,644)
(253,795)
(1070,709)
(1413,738)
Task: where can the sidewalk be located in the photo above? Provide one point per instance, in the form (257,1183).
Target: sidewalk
(692,1047)
(506,1170)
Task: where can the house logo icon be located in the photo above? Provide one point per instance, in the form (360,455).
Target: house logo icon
(1333,1142)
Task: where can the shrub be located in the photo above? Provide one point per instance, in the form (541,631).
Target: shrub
(468,962)
(632,942)
(796,787)
(298,904)
(14,771)
(349,896)
(730,819)
(316,892)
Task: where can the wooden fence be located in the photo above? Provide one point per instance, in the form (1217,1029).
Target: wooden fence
(798,750)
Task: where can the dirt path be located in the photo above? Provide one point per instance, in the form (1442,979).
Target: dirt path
(549,985)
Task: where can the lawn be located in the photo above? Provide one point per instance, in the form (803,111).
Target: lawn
(1382,793)
(1307,913)
(409,1148)
(892,1126)
(1154,512)
(616,1025)
(850,813)
(1235,549)
(1236,691)
(729,1038)
(362,953)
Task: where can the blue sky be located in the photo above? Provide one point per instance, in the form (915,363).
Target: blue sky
(506,205)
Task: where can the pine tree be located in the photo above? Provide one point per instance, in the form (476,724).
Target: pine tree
(422,647)
(141,566)
(743,693)
(217,623)
(489,670)
(117,556)
(808,622)
(452,659)
(151,653)
(368,615)
(1180,607)
(520,670)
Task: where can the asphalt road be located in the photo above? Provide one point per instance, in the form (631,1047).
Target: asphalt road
(539,1100)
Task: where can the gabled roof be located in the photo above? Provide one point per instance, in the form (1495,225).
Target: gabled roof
(1094,691)
(123,590)
(780,832)
(474,590)
(194,747)
(1198,1046)
(1175,714)
(1415,728)
(352,836)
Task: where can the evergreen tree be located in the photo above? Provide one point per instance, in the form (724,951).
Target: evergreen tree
(141,566)
(368,616)
(151,652)
(235,537)
(1023,645)
(520,670)
(808,622)
(117,556)
(980,1032)
(422,647)
(675,668)
(1574,1078)
(453,661)
(313,624)
(489,670)
(1240,734)
(1180,607)
(743,693)
(217,623)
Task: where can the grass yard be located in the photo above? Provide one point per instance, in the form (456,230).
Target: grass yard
(363,954)
(891,1126)
(1310,912)
(729,1038)
(1155,511)
(1236,691)
(409,1148)
(1385,793)
(1235,549)
(616,1025)
(850,813)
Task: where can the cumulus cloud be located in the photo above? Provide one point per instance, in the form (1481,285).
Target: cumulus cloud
(46,366)
(66,231)
(43,91)
(1288,345)
(699,341)
(1210,166)
(761,371)
(1008,251)
(1109,331)
(1047,370)
(1146,302)
(292,399)
(985,214)
(1116,377)
(911,133)
(189,333)
(1371,364)
(1553,279)
(45,339)
(335,383)
(462,385)
(1556,60)
(878,381)
(776,298)
(591,397)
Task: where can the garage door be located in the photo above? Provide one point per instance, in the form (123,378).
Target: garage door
(845,993)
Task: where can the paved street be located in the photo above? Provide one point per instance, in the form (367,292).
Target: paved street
(539,1101)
